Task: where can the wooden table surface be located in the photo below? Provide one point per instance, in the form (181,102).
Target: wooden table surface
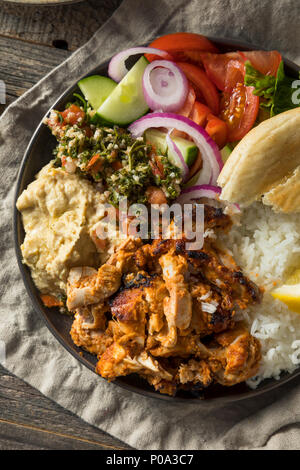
(33,40)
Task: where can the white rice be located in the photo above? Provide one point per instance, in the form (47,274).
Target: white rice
(266,245)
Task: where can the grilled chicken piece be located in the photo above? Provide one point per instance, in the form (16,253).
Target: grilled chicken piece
(79,290)
(234,356)
(86,286)
(211,312)
(118,360)
(216,267)
(155,293)
(184,347)
(214,218)
(177,307)
(196,373)
(167,387)
(129,309)
(140,301)
(88,329)
(212,269)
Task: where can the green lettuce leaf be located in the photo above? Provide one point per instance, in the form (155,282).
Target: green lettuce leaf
(276,92)
(283,94)
(264,85)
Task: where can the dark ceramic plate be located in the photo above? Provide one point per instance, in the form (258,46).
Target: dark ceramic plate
(37,155)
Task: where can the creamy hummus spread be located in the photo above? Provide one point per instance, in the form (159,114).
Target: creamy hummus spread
(59,211)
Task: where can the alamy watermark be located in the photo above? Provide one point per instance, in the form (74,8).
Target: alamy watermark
(2,92)
(157,221)
(296,94)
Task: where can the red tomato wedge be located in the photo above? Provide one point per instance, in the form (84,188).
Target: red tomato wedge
(235,73)
(186,111)
(73,115)
(189,103)
(201,82)
(199,114)
(180,44)
(215,66)
(50,301)
(239,111)
(266,62)
(217,129)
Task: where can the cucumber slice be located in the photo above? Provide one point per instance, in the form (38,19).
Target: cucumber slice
(96,89)
(126,103)
(188,149)
(225,152)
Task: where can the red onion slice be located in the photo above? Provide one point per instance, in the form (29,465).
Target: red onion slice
(117,69)
(165,86)
(194,193)
(177,156)
(211,157)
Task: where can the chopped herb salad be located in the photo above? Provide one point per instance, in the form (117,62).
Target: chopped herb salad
(121,164)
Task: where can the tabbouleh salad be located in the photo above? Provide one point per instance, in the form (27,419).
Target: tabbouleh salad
(110,156)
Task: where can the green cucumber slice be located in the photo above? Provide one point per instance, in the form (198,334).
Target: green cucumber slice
(96,89)
(225,152)
(126,103)
(188,149)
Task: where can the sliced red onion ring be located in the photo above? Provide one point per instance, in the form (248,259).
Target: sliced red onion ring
(211,157)
(165,86)
(177,156)
(117,69)
(194,193)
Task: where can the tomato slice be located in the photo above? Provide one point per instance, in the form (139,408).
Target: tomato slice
(73,115)
(50,301)
(214,126)
(95,164)
(217,129)
(266,62)
(188,104)
(239,111)
(215,67)
(180,44)
(186,111)
(235,73)
(221,68)
(199,114)
(201,82)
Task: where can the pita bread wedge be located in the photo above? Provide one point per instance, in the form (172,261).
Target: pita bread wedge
(285,196)
(262,159)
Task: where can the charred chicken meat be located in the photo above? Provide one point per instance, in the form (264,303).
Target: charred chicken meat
(167,313)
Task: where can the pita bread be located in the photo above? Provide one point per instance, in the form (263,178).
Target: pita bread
(265,157)
(285,196)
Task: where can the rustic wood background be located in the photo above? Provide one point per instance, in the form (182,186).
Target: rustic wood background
(33,40)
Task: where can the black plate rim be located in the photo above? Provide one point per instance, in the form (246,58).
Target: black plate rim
(266,385)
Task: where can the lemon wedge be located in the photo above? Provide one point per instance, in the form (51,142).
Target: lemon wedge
(289,293)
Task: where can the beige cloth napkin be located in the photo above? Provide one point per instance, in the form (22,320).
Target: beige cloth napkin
(33,354)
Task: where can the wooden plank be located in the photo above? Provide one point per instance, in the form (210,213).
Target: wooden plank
(74,23)
(27,418)
(16,436)
(23,64)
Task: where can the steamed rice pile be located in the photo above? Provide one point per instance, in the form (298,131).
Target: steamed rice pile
(267,247)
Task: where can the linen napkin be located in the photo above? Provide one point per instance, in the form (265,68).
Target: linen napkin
(270,421)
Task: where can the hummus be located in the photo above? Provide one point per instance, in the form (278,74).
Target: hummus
(59,211)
